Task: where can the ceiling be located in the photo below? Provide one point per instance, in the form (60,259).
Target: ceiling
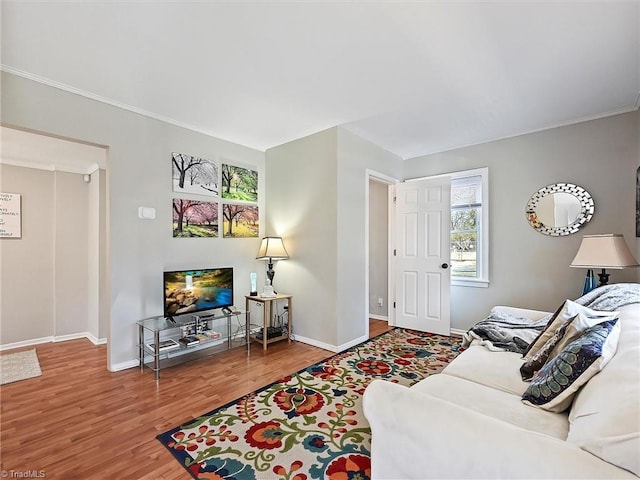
(412,77)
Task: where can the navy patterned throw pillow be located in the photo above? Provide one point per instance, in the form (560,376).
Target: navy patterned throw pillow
(558,380)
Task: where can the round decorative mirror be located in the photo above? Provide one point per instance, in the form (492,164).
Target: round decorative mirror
(559,209)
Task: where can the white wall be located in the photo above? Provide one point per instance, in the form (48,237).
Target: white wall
(98,315)
(45,274)
(71,277)
(27,263)
(316,200)
(527,268)
(378,248)
(139,174)
(355,157)
(302,206)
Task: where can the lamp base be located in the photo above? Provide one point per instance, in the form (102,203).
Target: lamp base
(270,274)
(589,282)
(603,276)
(268,292)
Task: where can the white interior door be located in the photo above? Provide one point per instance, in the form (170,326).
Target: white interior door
(422,258)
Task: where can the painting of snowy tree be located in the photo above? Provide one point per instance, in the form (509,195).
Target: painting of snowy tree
(194,175)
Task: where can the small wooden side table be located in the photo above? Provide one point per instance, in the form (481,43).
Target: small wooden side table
(267,312)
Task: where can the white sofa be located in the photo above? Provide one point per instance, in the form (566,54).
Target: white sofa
(470,422)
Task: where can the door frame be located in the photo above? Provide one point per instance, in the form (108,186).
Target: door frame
(372,175)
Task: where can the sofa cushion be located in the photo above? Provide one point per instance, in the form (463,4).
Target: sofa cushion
(559,321)
(415,435)
(605,415)
(498,370)
(555,384)
(494,403)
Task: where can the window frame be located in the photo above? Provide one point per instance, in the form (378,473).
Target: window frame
(482,240)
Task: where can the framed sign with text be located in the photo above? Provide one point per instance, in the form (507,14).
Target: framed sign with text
(10,215)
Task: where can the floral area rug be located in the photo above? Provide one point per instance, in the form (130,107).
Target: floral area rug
(308,425)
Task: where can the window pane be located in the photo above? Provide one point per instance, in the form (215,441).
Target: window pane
(466,191)
(464,258)
(464,238)
(469,228)
(464,219)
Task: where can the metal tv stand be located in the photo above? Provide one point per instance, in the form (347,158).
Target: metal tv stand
(164,342)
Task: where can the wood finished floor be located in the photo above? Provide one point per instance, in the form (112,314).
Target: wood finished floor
(80,421)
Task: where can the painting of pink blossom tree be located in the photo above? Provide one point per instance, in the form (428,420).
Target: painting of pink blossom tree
(240,221)
(192,218)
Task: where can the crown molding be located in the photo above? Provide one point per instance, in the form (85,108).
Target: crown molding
(101,99)
(50,167)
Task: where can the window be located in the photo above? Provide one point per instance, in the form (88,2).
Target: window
(469,228)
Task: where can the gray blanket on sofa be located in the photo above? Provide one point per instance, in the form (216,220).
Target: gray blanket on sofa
(501,331)
(611,297)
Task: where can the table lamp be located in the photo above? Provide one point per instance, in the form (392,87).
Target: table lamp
(604,251)
(272,248)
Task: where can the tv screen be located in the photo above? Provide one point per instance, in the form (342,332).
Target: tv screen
(190,291)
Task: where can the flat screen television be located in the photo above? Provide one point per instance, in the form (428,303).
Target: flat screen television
(192,291)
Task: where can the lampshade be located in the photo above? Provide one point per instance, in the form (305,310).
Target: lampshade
(604,251)
(272,248)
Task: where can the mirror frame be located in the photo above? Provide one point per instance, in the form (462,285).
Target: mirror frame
(586,209)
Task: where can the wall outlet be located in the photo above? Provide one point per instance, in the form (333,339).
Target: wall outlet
(380,302)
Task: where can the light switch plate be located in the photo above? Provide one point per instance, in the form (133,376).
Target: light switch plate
(147,213)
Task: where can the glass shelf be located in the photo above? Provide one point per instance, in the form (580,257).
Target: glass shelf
(155,330)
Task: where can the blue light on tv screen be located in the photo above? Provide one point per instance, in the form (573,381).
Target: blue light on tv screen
(214,298)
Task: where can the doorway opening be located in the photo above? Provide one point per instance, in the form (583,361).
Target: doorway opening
(62,183)
(378,243)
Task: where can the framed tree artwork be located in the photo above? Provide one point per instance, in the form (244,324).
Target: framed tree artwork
(240,221)
(194,175)
(192,218)
(239,183)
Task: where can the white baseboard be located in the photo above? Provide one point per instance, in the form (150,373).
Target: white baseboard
(298,338)
(379,317)
(95,340)
(26,343)
(352,343)
(315,343)
(124,365)
(331,348)
(457,333)
(54,339)
(74,336)
(325,346)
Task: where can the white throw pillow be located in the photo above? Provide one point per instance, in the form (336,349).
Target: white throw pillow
(563,316)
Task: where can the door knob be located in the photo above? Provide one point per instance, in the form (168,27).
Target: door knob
(445,265)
